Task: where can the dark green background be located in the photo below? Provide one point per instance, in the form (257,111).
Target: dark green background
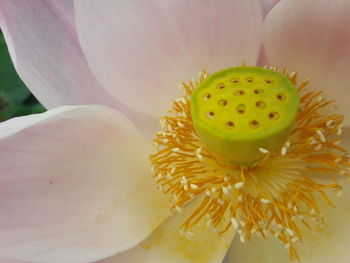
(15,98)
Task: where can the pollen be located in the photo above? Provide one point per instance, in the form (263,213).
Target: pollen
(275,195)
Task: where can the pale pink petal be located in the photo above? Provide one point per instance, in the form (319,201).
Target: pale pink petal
(3,260)
(323,246)
(75,186)
(142,50)
(313,38)
(43,44)
(166,244)
(267,5)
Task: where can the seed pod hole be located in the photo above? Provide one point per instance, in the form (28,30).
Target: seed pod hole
(210,114)
(234,80)
(260,104)
(250,80)
(274,116)
(206,96)
(238,93)
(269,81)
(230,125)
(258,91)
(281,97)
(254,124)
(222,102)
(220,86)
(241,108)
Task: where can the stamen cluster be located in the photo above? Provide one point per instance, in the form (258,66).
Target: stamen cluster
(277,195)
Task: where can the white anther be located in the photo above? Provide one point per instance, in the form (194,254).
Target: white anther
(226,179)
(225,190)
(175,149)
(199,156)
(265,201)
(266,234)
(209,222)
(180,124)
(239,185)
(338,160)
(213,190)
(318,147)
(263,150)
(329,123)
(194,186)
(199,150)
(242,238)
(208,193)
(220,201)
(277,233)
(242,223)
(287,144)
(284,151)
(240,198)
(289,231)
(342,172)
(295,239)
(234,222)
(181,87)
(339,131)
(313,141)
(289,205)
(172,171)
(185,187)
(178,209)
(280,226)
(287,246)
(320,134)
(339,193)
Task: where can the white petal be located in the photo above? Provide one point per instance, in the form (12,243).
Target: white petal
(75,186)
(142,50)
(166,244)
(328,245)
(313,38)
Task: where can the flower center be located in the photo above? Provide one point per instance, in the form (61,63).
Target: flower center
(239,110)
(257,148)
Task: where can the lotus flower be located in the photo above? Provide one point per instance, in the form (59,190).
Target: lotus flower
(76,181)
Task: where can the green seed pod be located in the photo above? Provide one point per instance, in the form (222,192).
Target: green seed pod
(240,110)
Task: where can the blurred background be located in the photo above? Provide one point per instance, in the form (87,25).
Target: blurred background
(15,98)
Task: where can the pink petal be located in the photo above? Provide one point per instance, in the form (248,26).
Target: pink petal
(167,245)
(267,5)
(43,44)
(313,38)
(75,186)
(3,260)
(142,50)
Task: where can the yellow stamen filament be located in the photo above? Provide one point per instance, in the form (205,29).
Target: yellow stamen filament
(275,195)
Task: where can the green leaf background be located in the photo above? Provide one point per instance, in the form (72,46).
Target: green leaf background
(15,98)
